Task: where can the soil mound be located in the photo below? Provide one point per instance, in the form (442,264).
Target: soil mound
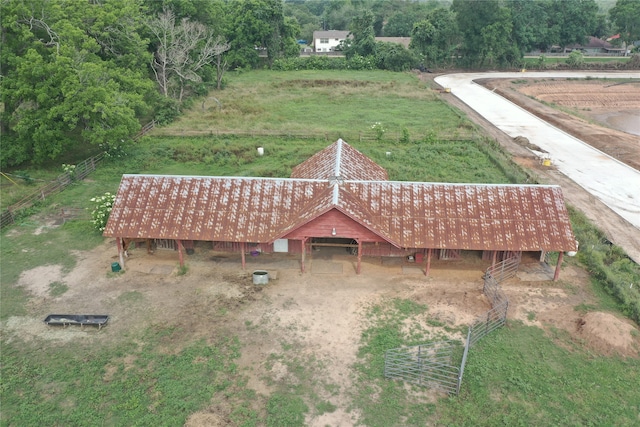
(608,334)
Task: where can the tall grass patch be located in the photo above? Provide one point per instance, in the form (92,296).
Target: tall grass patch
(317,102)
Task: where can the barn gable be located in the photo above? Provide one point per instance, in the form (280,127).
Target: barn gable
(340,161)
(334,224)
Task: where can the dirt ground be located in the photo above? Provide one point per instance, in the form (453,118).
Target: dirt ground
(318,315)
(587,109)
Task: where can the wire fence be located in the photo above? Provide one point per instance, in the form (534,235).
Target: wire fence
(432,365)
(80,172)
(462,134)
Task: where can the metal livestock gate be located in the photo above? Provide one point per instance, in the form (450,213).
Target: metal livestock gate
(431,365)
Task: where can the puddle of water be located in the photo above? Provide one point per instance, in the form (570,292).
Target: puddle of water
(626,120)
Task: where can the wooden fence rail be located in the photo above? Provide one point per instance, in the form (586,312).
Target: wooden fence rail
(81,171)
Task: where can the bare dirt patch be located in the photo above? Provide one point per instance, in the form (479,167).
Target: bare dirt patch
(608,334)
(300,327)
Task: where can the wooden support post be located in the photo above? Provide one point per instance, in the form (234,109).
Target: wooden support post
(556,275)
(120,243)
(359,256)
(242,255)
(426,271)
(304,249)
(180,256)
(494,258)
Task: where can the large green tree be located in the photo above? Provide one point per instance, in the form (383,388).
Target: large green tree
(260,25)
(401,22)
(625,16)
(530,18)
(572,21)
(487,30)
(73,74)
(436,37)
(363,40)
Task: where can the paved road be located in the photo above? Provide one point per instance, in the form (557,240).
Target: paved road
(614,183)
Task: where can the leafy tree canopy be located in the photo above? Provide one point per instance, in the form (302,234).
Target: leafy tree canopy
(625,17)
(69,79)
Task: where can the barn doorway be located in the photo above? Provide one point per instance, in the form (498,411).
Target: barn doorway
(328,247)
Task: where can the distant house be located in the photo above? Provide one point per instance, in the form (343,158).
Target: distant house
(596,46)
(328,41)
(593,47)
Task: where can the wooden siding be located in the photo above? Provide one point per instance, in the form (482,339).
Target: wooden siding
(323,225)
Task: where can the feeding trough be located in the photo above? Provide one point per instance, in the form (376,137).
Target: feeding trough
(98,320)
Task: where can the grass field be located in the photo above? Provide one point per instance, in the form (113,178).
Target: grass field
(517,376)
(336,103)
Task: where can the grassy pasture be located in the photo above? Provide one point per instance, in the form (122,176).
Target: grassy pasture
(517,376)
(318,103)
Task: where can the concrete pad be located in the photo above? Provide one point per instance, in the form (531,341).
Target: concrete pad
(535,272)
(326,267)
(412,269)
(163,270)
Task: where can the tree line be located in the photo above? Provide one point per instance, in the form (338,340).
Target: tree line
(86,73)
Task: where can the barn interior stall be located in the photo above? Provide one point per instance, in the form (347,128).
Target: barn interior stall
(339,198)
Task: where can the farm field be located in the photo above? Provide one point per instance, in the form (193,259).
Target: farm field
(206,347)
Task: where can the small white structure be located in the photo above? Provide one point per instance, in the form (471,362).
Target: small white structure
(327,41)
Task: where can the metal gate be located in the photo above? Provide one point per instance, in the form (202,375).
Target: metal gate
(428,365)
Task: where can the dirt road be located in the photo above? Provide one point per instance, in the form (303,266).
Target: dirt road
(620,145)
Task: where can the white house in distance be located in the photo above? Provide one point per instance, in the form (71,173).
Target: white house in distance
(327,41)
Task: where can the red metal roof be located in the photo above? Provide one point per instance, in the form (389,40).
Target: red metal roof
(342,161)
(406,214)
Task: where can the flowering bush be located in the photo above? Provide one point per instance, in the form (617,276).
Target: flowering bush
(70,169)
(379,130)
(102,210)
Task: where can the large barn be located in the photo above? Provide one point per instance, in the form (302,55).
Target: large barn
(340,197)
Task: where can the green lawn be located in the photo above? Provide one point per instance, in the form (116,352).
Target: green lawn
(337,103)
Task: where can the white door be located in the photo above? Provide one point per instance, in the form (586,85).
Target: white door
(281,245)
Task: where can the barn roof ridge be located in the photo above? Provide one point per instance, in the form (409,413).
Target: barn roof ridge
(338,179)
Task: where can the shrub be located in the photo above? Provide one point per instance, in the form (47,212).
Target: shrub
(575,59)
(101,211)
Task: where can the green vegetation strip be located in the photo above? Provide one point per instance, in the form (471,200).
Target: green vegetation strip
(124,384)
(608,265)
